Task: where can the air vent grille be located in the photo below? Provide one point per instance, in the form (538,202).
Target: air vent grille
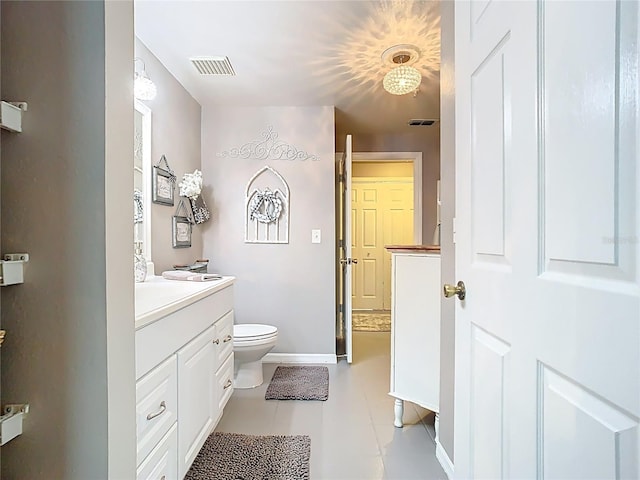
(213,65)
(425,122)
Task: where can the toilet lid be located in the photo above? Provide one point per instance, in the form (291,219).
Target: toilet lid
(253,331)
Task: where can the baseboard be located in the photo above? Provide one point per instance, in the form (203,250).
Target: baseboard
(300,358)
(444,460)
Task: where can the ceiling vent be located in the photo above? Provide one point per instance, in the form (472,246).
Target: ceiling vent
(213,65)
(422,122)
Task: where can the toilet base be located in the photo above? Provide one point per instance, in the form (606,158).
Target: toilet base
(248,375)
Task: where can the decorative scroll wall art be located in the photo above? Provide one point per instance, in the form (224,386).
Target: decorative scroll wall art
(269,148)
(267,208)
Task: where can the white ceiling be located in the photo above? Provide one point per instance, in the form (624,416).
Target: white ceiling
(300,53)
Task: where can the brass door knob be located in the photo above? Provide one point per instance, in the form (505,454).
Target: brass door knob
(459,290)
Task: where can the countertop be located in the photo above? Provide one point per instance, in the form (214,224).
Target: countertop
(158,297)
(413,248)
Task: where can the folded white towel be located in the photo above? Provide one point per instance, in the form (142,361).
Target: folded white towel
(190,276)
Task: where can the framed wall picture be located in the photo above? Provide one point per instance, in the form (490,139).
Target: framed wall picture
(181,230)
(163,182)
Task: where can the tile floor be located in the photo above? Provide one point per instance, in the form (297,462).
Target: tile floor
(352,433)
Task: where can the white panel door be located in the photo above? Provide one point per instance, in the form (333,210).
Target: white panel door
(547,233)
(345,247)
(398,228)
(367,219)
(382,214)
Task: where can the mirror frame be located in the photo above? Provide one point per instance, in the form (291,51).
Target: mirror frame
(146,179)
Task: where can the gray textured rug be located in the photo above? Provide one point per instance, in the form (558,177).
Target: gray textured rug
(231,456)
(299,383)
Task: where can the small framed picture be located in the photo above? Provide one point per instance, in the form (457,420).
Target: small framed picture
(181,232)
(162,186)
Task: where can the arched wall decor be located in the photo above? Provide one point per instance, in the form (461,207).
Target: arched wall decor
(269,148)
(266,208)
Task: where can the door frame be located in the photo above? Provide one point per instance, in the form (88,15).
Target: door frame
(416,159)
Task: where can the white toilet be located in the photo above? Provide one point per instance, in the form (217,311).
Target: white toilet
(251,342)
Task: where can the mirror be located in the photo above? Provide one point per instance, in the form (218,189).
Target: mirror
(142,178)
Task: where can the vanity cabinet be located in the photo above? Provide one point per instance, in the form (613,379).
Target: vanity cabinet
(415,329)
(184,365)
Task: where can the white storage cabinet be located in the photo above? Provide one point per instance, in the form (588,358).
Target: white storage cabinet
(415,331)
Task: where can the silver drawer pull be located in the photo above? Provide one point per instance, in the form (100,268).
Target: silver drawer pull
(228,338)
(163,408)
(217,341)
(228,384)
(163,477)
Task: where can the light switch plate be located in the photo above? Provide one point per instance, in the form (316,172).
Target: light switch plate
(316,236)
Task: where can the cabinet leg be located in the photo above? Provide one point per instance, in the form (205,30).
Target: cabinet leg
(398,409)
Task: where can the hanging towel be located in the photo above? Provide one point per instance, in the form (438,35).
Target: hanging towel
(190,276)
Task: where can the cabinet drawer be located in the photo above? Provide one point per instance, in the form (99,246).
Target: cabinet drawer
(224,332)
(162,462)
(224,377)
(156,406)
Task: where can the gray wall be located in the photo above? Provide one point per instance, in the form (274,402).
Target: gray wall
(175,131)
(291,286)
(447,212)
(65,182)
(425,140)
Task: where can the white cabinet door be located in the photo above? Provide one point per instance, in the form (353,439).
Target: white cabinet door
(197,396)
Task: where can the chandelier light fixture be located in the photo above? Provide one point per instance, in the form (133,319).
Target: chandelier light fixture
(404,78)
(143,87)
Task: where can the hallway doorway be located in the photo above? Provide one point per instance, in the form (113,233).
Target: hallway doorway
(383,198)
(346,262)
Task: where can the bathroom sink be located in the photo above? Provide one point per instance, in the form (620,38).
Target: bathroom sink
(157,296)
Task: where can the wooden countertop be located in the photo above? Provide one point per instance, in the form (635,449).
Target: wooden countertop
(414,248)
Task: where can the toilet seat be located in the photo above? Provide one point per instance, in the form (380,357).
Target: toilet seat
(253,332)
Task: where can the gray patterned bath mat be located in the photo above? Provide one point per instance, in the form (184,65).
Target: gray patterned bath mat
(299,383)
(231,456)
